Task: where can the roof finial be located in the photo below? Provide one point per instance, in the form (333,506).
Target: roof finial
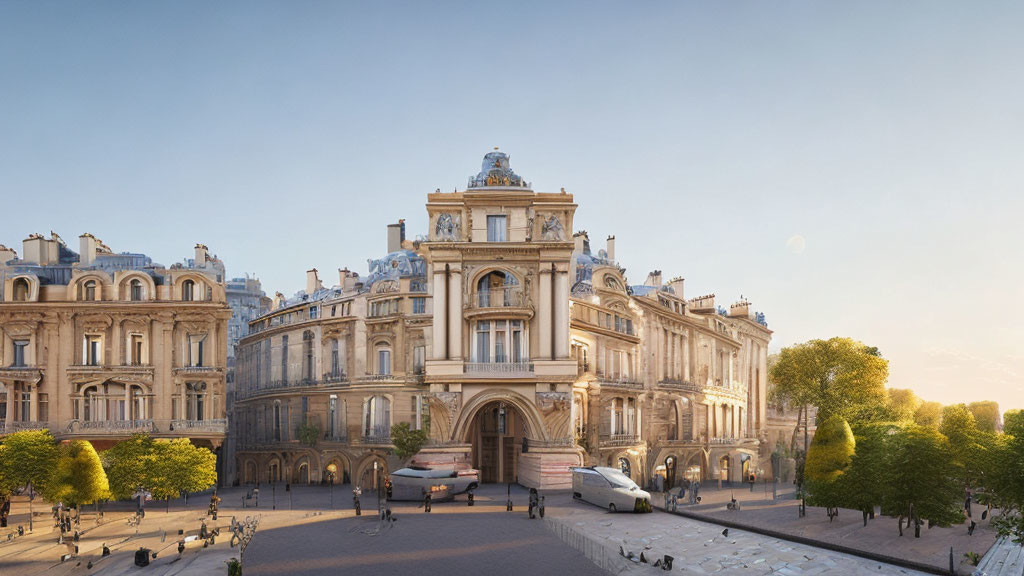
(495,147)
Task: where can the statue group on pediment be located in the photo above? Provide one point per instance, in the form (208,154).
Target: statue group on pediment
(447,227)
(551,229)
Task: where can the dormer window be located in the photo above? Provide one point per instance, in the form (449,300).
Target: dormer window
(21,290)
(188,290)
(135,288)
(89,291)
(496,228)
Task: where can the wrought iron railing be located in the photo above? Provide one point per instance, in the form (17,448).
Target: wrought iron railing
(110,426)
(335,377)
(618,439)
(508,297)
(216,425)
(499,368)
(620,381)
(677,384)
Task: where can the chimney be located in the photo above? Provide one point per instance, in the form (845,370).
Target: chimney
(677,286)
(610,248)
(7,254)
(88,245)
(740,309)
(581,242)
(654,279)
(348,280)
(312,282)
(201,256)
(278,301)
(396,234)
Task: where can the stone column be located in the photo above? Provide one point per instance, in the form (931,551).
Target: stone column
(440,339)
(561,315)
(455,314)
(544,318)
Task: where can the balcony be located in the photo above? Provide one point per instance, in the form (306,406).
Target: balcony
(677,384)
(335,377)
(110,427)
(377,436)
(198,370)
(619,381)
(511,300)
(215,426)
(499,369)
(279,386)
(11,427)
(618,439)
(21,373)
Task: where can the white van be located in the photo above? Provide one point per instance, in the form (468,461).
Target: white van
(609,488)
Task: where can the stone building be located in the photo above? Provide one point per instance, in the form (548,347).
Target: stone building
(97,346)
(517,349)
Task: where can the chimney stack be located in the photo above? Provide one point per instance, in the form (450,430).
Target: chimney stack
(677,286)
(654,279)
(610,248)
(312,282)
(88,245)
(201,259)
(348,280)
(581,242)
(396,235)
(7,254)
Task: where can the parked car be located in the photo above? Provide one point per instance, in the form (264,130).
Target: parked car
(414,482)
(609,488)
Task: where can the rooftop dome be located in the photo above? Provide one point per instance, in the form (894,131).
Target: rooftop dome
(495,172)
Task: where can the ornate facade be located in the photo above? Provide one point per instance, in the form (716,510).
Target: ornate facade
(97,345)
(517,349)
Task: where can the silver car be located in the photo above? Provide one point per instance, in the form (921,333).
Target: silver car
(609,488)
(414,482)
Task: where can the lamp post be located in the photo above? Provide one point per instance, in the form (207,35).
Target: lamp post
(332,469)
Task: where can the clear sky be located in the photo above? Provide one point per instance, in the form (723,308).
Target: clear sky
(713,139)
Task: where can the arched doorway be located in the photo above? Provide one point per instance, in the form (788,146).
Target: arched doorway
(336,471)
(302,474)
(250,472)
(625,467)
(694,468)
(670,472)
(723,467)
(375,470)
(497,433)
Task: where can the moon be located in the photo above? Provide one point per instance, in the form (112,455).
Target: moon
(796,244)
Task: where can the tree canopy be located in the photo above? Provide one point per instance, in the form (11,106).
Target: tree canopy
(129,466)
(841,376)
(180,466)
(928,414)
(827,459)
(902,404)
(27,457)
(78,477)
(1005,481)
(407,442)
(919,477)
(986,414)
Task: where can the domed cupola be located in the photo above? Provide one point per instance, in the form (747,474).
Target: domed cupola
(495,172)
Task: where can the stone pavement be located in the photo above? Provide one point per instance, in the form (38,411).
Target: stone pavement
(880,536)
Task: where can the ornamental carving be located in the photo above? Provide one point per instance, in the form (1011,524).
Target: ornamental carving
(552,401)
(551,230)
(448,227)
(95,322)
(444,407)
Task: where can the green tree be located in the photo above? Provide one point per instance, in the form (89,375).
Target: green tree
(407,442)
(827,460)
(965,443)
(920,485)
(308,433)
(986,414)
(29,458)
(902,404)
(928,414)
(863,485)
(1005,482)
(180,466)
(842,377)
(78,477)
(129,465)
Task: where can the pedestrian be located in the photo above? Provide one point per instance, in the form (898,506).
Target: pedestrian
(534,502)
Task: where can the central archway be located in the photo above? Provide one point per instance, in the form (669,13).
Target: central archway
(497,433)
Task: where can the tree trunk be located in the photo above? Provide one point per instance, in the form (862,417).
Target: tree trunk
(806,443)
(796,430)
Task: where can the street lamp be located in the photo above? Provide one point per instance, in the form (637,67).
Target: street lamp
(332,469)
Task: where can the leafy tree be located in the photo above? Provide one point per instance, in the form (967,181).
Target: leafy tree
(928,414)
(986,414)
(180,466)
(407,442)
(965,442)
(28,458)
(129,466)
(863,486)
(842,377)
(902,404)
(827,460)
(308,433)
(79,477)
(920,485)
(1005,482)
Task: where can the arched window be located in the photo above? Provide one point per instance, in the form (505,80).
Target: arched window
(135,290)
(673,422)
(377,418)
(21,290)
(499,289)
(195,401)
(139,408)
(90,405)
(188,290)
(612,283)
(307,355)
(89,291)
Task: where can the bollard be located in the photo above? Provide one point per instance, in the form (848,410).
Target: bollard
(470,498)
(426,502)
(541,509)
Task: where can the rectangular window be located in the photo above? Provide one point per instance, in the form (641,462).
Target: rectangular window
(44,407)
(305,408)
(20,349)
(483,342)
(93,351)
(196,349)
(284,358)
(383,361)
(419,354)
(26,407)
(136,289)
(136,350)
(417,412)
(314,312)
(419,305)
(331,415)
(496,228)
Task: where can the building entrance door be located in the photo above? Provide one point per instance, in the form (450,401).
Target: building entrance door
(497,436)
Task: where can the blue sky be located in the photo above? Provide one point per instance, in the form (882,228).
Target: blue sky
(705,136)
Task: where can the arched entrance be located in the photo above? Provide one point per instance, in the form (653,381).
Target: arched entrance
(374,472)
(302,473)
(723,467)
(250,472)
(497,433)
(624,466)
(670,472)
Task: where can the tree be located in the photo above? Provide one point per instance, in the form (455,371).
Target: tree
(1005,481)
(407,442)
(968,452)
(902,404)
(79,477)
(986,414)
(842,377)
(180,466)
(29,458)
(863,486)
(827,460)
(308,433)
(920,485)
(129,465)
(928,414)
